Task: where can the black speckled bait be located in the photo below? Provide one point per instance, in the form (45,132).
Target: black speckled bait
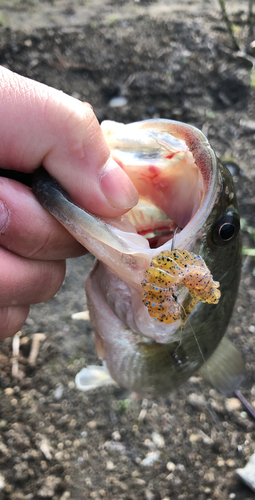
(147,348)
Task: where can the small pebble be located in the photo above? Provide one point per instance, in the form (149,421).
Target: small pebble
(117,102)
(150,458)
(76,95)
(206,439)
(158,440)
(248,125)
(116,436)
(142,415)
(9,391)
(58,393)
(115,446)
(140,481)
(149,443)
(230,462)
(92,424)
(170,466)
(93,494)
(180,467)
(194,438)
(2,482)
(59,456)
(196,400)
(110,465)
(209,477)
(232,404)
(220,462)
(66,495)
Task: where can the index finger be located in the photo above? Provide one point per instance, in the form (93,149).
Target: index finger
(43,126)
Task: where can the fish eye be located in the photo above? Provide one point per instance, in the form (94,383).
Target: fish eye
(226,229)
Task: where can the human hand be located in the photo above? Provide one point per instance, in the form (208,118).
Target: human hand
(43,126)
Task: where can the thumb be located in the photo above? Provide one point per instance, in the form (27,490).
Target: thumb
(43,126)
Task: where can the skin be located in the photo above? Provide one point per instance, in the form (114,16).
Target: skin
(43,126)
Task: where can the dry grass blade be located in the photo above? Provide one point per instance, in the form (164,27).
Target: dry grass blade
(228,24)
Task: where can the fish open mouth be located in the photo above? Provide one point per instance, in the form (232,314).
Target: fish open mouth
(168,170)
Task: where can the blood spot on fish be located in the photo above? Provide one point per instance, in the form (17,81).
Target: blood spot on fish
(170,156)
(167,272)
(152,171)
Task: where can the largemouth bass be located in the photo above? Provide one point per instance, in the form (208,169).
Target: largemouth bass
(162,291)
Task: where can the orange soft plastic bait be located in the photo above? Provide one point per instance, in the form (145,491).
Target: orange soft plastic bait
(170,270)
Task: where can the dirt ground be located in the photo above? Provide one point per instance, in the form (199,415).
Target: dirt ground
(171,60)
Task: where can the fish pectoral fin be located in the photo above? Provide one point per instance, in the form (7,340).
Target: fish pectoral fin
(224,370)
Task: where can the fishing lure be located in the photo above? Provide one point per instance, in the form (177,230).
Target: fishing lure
(171,270)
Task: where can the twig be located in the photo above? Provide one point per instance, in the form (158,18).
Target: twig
(245,403)
(240,54)
(15,354)
(63,63)
(84,315)
(37,337)
(250,13)
(229,24)
(46,448)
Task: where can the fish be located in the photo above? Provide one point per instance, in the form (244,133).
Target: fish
(162,290)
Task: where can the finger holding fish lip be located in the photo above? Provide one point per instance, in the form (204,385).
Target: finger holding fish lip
(43,126)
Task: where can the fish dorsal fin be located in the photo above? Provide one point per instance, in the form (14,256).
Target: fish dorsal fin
(224,370)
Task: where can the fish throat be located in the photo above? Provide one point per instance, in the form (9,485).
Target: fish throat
(162,166)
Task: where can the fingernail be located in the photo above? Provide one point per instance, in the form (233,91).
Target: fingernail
(117,187)
(4,217)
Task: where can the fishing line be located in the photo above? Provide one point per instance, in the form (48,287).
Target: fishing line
(208,406)
(174,236)
(195,337)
